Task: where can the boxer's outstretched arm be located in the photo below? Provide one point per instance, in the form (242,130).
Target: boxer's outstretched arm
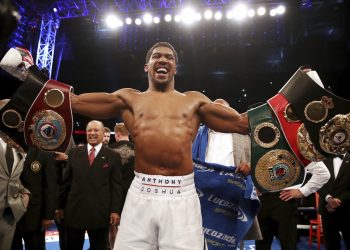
(223,119)
(100,105)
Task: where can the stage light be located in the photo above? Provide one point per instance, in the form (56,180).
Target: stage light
(273,12)
(128,20)
(218,15)
(280,9)
(229,14)
(156,19)
(138,21)
(251,13)
(167,18)
(208,14)
(147,18)
(261,11)
(54,10)
(188,15)
(240,12)
(177,18)
(113,21)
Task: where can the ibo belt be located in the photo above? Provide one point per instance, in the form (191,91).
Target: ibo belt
(274,165)
(326,116)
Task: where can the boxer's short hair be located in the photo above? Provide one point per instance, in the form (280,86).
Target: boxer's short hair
(161,44)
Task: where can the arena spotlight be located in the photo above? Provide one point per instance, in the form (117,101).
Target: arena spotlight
(261,11)
(138,21)
(147,18)
(280,10)
(229,14)
(218,15)
(177,18)
(168,18)
(54,9)
(113,21)
(128,20)
(273,12)
(156,19)
(188,15)
(240,12)
(251,13)
(208,14)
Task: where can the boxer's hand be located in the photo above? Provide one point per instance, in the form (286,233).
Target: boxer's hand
(17,62)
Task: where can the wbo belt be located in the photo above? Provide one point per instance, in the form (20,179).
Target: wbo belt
(274,165)
(38,114)
(326,117)
(294,131)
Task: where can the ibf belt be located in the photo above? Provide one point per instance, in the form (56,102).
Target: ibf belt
(325,115)
(296,137)
(274,165)
(48,124)
(14,112)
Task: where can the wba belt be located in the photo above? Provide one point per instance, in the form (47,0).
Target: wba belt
(274,165)
(326,116)
(38,114)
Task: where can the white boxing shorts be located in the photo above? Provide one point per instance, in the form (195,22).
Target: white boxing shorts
(161,212)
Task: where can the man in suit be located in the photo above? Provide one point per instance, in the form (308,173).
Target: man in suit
(39,177)
(334,203)
(14,197)
(91,193)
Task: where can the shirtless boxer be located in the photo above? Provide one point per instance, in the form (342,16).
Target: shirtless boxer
(162,209)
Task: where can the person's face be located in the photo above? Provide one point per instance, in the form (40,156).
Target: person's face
(94,133)
(161,66)
(106,138)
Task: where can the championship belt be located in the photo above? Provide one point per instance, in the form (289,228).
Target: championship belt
(274,165)
(48,123)
(293,130)
(326,116)
(14,112)
(38,114)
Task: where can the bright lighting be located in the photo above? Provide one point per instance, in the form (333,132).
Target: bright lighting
(138,21)
(229,14)
(188,15)
(156,19)
(261,11)
(208,14)
(177,18)
(240,12)
(280,9)
(273,12)
(147,18)
(251,13)
(113,21)
(218,15)
(128,20)
(167,17)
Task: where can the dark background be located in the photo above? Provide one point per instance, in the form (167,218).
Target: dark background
(244,63)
